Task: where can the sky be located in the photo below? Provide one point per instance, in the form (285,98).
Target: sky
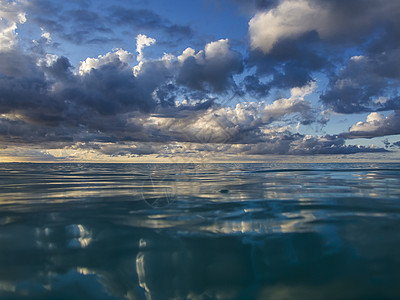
(199,80)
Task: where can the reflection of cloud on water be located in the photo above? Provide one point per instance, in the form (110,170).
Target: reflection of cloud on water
(80,236)
(140,270)
(7,286)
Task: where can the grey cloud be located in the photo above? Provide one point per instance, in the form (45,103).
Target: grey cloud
(252,5)
(313,40)
(78,25)
(53,97)
(83,24)
(50,104)
(22,85)
(328,145)
(17,132)
(129,149)
(212,70)
(288,143)
(358,19)
(103,101)
(246,7)
(144,19)
(291,63)
(360,85)
(255,87)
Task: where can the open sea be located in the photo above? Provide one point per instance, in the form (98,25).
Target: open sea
(199,231)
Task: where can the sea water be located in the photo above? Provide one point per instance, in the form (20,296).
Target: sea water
(199,231)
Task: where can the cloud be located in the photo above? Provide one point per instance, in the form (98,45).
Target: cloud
(291,41)
(47,93)
(366,83)
(309,145)
(142,41)
(252,6)
(255,87)
(111,58)
(110,110)
(74,21)
(289,62)
(293,18)
(115,106)
(211,68)
(43,100)
(289,20)
(144,19)
(247,122)
(294,104)
(296,144)
(10,16)
(82,23)
(376,125)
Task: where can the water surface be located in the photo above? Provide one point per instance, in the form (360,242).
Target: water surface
(199,231)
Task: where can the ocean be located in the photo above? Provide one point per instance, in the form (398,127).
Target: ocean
(199,231)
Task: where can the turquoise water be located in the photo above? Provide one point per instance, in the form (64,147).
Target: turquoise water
(199,231)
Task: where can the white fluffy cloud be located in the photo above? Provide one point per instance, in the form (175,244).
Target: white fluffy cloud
(217,51)
(10,16)
(143,41)
(376,125)
(295,104)
(118,55)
